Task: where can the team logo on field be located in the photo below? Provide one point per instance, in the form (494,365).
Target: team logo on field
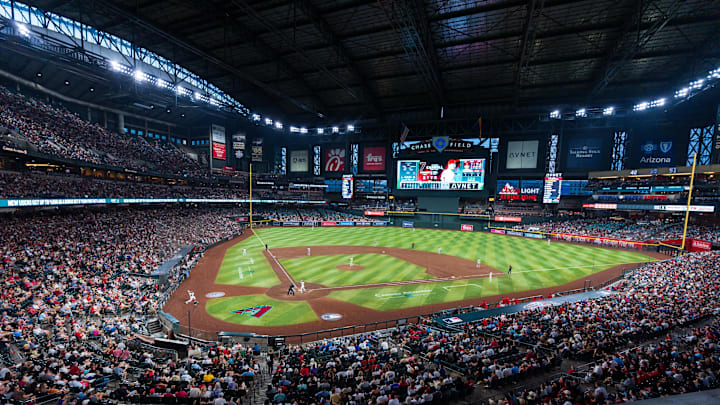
(332,316)
(255,312)
(216,294)
(537,305)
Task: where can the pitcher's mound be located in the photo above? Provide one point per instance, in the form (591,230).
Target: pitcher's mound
(349,267)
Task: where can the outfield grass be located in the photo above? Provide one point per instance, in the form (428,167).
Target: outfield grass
(377,267)
(255,269)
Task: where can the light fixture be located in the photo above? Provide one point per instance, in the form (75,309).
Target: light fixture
(182,115)
(303,130)
(92,89)
(335,130)
(609,111)
(138,75)
(24,31)
(350,128)
(278,125)
(67,82)
(256,117)
(268,121)
(581,113)
(555,114)
(168,110)
(115,66)
(320,131)
(294,129)
(179,90)
(39,74)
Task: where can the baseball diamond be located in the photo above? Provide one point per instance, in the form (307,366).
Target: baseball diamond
(402,275)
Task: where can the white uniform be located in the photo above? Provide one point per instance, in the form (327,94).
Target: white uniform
(478,263)
(439,250)
(302,286)
(375,243)
(490,277)
(244,252)
(351,260)
(308,251)
(192,297)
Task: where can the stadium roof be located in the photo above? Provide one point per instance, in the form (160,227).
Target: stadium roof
(377,59)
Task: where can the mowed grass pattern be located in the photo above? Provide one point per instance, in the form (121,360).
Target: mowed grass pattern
(256,271)
(282,313)
(378,268)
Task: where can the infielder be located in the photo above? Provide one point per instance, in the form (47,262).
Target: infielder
(375,243)
(244,251)
(478,263)
(308,251)
(351,260)
(440,250)
(192,297)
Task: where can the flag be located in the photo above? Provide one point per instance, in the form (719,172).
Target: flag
(404,133)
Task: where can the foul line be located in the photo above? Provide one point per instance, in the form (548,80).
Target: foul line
(262,243)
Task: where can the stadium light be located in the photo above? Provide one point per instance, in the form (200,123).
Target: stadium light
(581,113)
(278,125)
(335,130)
(179,90)
(294,129)
(268,121)
(138,75)
(350,128)
(67,82)
(92,89)
(320,131)
(39,74)
(256,117)
(609,111)
(555,114)
(657,103)
(641,106)
(162,84)
(22,29)
(303,130)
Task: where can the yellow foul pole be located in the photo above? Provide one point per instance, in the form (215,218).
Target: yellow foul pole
(251,224)
(687,208)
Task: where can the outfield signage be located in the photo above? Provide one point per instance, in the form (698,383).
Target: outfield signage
(498,231)
(328,223)
(595,239)
(408,224)
(533,235)
(514,233)
(466,227)
(345,224)
(362,223)
(379,223)
(31,202)
(502,218)
(670,208)
(375,213)
(441,144)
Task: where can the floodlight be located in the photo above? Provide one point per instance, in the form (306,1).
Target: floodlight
(278,125)
(555,114)
(609,111)
(350,128)
(335,130)
(303,130)
(581,113)
(320,131)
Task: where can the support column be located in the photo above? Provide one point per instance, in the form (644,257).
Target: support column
(121,123)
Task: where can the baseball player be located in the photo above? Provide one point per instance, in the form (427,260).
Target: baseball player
(478,263)
(440,250)
(244,251)
(192,297)
(302,286)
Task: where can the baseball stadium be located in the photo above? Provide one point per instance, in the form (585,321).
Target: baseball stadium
(329,202)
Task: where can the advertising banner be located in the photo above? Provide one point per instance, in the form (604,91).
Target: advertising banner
(345,224)
(698,245)
(362,224)
(526,190)
(218,151)
(257,150)
(291,223)
(335,159)
(373,159)
(455,175)
(441,144)
(308,224)
(218,134)
(408,224)
(299,161)
(503,218)
(498,231)
(238,145)
(375,213)
(379,223)
(466,227)
(533,235)
(348,189)
(522,154)
(514,233)
(658,146)
(328,224)
(587,152)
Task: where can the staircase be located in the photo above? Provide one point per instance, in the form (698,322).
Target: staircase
(258,396)
(154,326)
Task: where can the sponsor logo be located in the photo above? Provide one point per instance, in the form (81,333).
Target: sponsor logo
(216,294)
(701,244)
(522,154)
(345,224)
(466,227)
(514,233)
(335,160)
(440,142)
(379,223)
(218,151)
(375,213)
(331,316)
(255,312)
(453,320)
(501,218)
(498,231)
(362,224)
(408,224)
(508,192)
(328,223)
(665,146)
(374,158)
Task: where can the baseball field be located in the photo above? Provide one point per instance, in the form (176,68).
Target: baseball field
(365,274)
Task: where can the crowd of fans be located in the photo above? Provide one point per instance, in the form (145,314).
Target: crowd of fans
(58,132)
(299,214)
(634,231)
(43,185)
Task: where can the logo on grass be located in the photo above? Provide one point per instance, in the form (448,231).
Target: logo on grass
(255,312)
(332,316)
